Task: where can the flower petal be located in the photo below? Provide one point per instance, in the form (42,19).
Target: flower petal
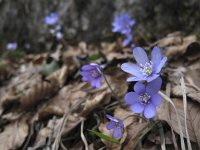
(132,69)
(87,67)
(112,118)
(127,40)
(162,63)
(117,133)
(139,88)
(154,86)
(149,111)
(110,125)
(131,98)
(156,99)
(152,77)
(140,56)
(156,56)
(96,83)
(136,79)
(137,107)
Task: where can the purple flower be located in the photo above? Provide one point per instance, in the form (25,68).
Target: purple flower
(146,69)
(127,40)
(92,73)
(116,124)
(11,46)
(145,98)
(51,19)
(123,23)
(59,35)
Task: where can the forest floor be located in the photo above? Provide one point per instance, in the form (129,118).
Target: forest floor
(45,105)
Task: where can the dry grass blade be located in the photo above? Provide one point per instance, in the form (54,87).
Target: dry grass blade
(83,136)
(185,111)
(63,123)
(168,93)
(178,119)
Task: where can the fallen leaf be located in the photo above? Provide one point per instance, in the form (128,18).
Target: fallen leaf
(193,117)
(134,131)
(14,135)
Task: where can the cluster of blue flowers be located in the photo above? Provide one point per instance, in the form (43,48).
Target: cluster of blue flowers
(52,20)
(145,98)
(123,24)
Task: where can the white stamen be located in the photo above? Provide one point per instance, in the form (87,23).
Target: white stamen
(146,69)
(145,98)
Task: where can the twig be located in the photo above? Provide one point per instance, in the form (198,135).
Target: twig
(185,111)
(83,136)
(178,119)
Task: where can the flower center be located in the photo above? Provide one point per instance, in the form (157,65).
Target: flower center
(147,68)
(145,98)
(95,73)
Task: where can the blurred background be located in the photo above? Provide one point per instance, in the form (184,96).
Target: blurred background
(23,21)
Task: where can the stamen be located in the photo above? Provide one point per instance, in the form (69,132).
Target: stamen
(145,98)
(95,73)
(146,69)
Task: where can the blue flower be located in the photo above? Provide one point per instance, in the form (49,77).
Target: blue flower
(11,46)
(145,98)
(146,69)
(117,125)
(123,23)
(59,35)
(51,19)
(127,40)
(92,73)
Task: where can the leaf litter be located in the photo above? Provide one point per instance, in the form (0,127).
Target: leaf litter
(45,98)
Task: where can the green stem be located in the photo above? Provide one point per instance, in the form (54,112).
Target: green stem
(134,115)
(112,91)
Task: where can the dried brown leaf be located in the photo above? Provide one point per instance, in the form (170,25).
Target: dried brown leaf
(115,51)
(190,92)
(134,131)
(14,135)
(193,117)
(176,44)
(29,90)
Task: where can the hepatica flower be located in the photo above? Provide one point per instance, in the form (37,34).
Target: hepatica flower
(123,24)
(145,69)
(11,46)
(145,98)
(51,19)
(92,73)
(117,125)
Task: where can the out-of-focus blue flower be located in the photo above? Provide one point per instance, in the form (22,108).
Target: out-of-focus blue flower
(123,23)
(127,40)
(145,70)
(116,124)
(92,73)
(11,46)
(145,98)
(59,35)
(51,19)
